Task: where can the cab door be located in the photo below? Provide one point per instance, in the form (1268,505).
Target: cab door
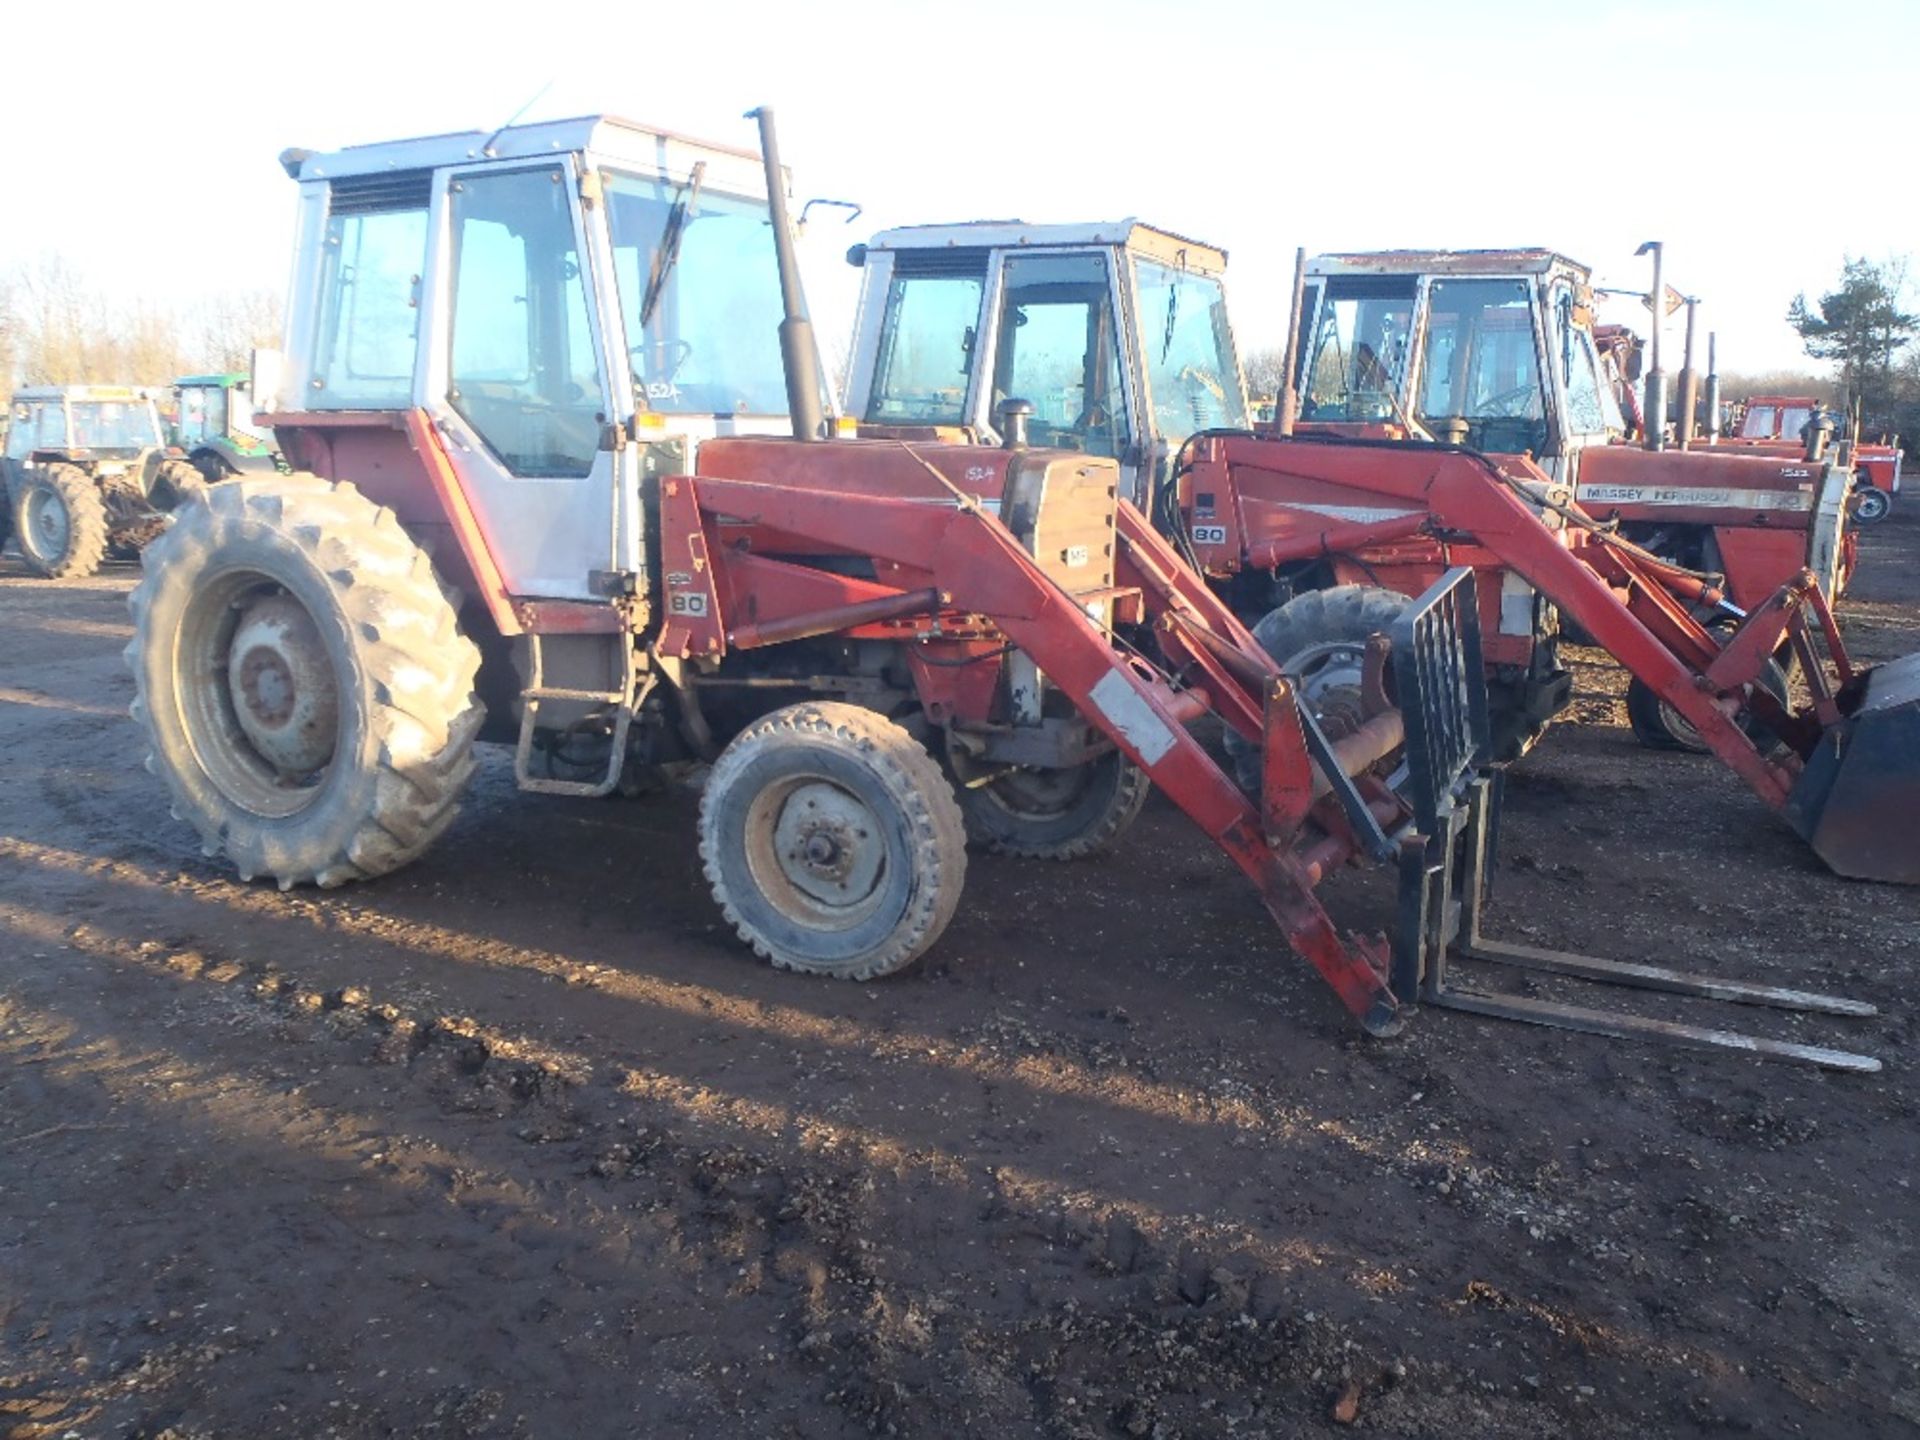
(516,378)
(1058,336)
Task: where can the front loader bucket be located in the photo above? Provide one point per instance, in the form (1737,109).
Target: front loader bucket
(1858,797)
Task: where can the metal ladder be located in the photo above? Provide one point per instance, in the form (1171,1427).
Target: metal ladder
(623,700)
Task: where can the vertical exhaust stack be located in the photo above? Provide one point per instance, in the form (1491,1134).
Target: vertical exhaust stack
(798,355)
(1713,389)
(1289,410)
(1686,427)
(1655,411)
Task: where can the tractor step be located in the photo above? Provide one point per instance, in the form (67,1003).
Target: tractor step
(1445,860)
(623,702)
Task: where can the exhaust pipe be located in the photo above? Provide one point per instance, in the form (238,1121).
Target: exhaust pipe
(798,355)
(1713,389)
(1289,410)
(1654,421)
(1686,427)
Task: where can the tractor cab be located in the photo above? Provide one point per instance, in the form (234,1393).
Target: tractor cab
(1496,350)
(1115,334)
(214,426)
(574,306)
(109,429)
(1492,349)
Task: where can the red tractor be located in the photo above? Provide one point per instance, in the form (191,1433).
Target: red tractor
(531,393)
(1788,425)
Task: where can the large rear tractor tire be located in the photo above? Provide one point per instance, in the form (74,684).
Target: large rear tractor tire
(175,483)
(1319,640)
(9,478)
(303,681)
(60,517)
(213,466)
(1049,814)
(832,841)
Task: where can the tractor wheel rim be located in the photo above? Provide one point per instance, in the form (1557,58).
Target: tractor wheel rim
(48,526)
(282,686)
(1329,678)
(1680,728)
(1028,792)
(258,694)
(818,851)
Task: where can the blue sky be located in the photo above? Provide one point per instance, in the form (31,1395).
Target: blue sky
(1778,148)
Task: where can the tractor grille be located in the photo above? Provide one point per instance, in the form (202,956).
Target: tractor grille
(1442,691)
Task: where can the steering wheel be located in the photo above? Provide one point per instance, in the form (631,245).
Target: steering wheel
(1498,407)
(665,369)
(1095,417)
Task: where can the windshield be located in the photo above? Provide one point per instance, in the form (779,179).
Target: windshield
(1358,353)
(113,425)
(1759,424)
(926,342)
(1192,372)
(1480,375)
(709,343)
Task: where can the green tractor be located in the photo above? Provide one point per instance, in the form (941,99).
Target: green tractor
(216,429)
(87,473)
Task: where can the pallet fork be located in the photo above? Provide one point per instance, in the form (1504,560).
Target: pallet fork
(1446,857)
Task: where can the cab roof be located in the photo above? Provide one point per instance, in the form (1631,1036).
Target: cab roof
(123,393)
(1017,234)
(1523,261)
(623,143)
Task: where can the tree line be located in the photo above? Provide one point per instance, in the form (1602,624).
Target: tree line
(59,326)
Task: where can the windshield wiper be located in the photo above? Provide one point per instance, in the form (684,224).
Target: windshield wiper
(669,252)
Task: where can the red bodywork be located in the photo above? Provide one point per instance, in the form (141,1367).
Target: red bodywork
(1639,610)
(755,552)
(1765,429)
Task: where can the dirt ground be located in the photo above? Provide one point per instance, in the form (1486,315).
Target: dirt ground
(520,1142)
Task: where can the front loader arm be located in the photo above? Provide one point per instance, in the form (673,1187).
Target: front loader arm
(979,569)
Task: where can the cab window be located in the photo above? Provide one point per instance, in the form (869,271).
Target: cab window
(1480,372)
(370,308)
(1358,353)
(1192,372)
(523,370)
(1059,349)
(927,341)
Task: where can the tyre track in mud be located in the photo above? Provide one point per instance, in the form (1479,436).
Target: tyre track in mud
(1106,1166)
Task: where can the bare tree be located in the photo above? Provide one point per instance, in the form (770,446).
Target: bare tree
(59,328)
(1266,371)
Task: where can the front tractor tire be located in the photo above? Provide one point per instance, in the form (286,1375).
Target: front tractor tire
(1872,506)
(60,517)
(303,682)
(832,841)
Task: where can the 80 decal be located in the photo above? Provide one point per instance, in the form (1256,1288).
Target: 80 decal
(1209,534)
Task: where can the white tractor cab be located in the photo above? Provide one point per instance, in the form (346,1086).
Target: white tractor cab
(1494,350)
(1115,333)
(86,471)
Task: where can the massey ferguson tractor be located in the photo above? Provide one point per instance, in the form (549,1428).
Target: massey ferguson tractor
(1788,425)
(1488,351)
(87,474)
(532,391)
